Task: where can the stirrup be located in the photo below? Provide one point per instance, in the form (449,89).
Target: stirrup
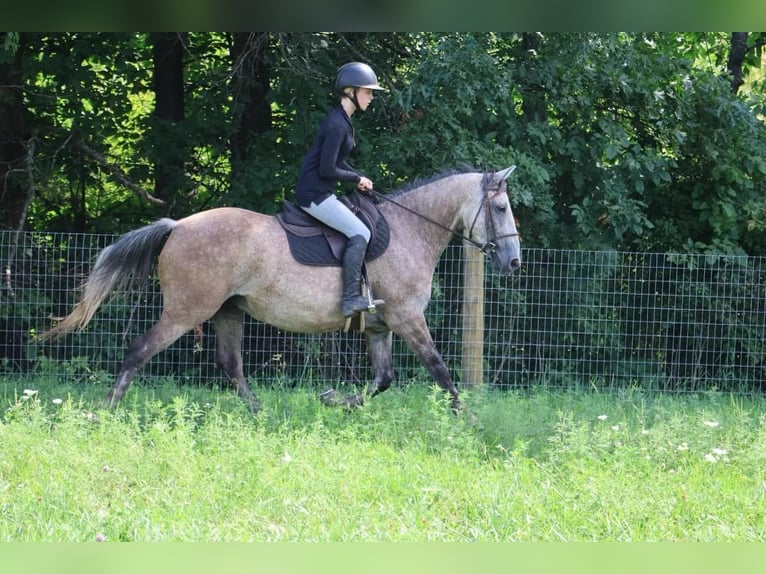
(373,305)
(360,315)
(357,314)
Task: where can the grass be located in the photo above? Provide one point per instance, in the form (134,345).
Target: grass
(191,464)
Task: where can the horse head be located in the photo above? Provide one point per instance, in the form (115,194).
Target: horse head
(493,226)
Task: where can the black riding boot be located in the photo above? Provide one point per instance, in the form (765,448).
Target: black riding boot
(353,258)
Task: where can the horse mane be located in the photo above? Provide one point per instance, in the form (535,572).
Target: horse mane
(420,182)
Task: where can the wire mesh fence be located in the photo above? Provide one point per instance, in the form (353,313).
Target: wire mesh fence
(601,319)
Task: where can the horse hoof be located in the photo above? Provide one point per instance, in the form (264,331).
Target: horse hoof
(460,410)
(91,417)
(330,398)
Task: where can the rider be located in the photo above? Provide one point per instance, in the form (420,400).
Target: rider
(325,165)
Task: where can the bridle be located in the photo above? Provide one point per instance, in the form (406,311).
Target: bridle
(489,187)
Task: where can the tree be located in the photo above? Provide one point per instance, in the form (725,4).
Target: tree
(744,52)
(737,58)
(169,149)
(16,147)
(623,140)
(251,113)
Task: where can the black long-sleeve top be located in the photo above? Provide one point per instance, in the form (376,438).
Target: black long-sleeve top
(325,163)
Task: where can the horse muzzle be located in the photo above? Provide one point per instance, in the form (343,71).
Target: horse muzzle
(506,261)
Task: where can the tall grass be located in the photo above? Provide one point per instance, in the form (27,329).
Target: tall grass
(191,464)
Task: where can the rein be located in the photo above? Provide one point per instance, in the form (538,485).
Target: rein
(486,248)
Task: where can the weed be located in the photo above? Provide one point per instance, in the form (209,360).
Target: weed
(191,464)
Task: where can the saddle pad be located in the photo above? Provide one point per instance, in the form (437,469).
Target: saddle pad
(316,250)
(313,243)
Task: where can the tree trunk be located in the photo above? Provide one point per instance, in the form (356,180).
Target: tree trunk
(250,86)
(737,53)
(169,143)
(533,94)
(14,181)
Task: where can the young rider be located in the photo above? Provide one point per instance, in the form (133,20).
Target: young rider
(325,165)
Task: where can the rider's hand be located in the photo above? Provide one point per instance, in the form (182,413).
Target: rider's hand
(364,184)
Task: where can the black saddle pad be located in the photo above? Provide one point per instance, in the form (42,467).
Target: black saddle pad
(314,243)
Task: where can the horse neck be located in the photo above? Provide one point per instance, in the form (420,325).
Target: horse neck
(443,202)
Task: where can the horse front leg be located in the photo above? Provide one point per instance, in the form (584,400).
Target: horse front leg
(379,345)
(416,335)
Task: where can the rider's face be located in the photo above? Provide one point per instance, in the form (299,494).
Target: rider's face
(364,96)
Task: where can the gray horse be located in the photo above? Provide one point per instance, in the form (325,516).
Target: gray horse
(222,263)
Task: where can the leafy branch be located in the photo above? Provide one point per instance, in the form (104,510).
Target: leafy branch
(118,175)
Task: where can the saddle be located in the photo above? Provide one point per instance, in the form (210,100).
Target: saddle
(314,243)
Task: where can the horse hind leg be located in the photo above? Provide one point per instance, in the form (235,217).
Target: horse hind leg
(159,337)
(228,329)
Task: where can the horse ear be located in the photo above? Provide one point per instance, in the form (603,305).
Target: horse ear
(505,173)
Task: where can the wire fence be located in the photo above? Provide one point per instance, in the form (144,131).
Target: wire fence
(595,319)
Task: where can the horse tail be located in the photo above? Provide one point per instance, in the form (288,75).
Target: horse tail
(127,262)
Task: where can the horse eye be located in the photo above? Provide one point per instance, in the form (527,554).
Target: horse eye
(500,208)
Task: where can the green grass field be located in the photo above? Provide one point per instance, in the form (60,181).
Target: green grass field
(191,464)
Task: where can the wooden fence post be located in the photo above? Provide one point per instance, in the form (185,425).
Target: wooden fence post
(473,317)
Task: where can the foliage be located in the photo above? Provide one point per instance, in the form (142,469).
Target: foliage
(646,149)
(623,140)
(9,44)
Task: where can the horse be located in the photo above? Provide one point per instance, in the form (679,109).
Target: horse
(221,263)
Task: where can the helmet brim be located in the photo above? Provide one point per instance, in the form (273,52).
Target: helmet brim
(372,87)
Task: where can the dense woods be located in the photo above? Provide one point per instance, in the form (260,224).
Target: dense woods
(648,142)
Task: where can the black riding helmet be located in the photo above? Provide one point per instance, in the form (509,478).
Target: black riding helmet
(356,75)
